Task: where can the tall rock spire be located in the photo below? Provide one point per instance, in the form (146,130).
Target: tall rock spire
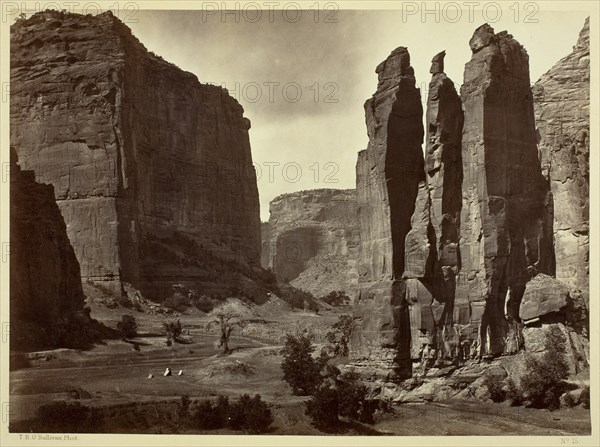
(506,219)
(388,175)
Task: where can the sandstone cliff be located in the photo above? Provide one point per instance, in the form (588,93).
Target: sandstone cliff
(506,219)
(388,174)
(45,286)
(463,265)
(432,259)
(151,169)
(562,109)
(311,240)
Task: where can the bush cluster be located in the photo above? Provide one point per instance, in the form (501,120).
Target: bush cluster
(250,414)
(67,417)
(336,298)
(543,384)
(173,330)
(300,370)
(127,327)
(333,395)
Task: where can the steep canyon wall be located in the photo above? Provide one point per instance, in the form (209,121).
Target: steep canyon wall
(311,240)
(151,169)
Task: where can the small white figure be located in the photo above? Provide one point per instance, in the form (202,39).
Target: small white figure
(167,372)
(180,373)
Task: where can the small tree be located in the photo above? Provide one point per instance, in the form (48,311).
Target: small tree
(227,317)
(544,382)
(336,298)
(173,330)
(323,407)
(127,327)
(341,395)
(339,337)
(300,369)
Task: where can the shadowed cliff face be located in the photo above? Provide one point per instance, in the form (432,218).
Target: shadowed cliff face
(138,151)
(45,286)
(388,175)
(432,257)
(562,109)
(311,240)
(506,220)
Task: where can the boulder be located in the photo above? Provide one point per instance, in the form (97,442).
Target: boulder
(543,295)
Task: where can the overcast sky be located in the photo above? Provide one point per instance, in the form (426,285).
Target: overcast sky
(303,80)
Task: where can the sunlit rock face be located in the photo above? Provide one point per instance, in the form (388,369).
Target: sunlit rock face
(311,240)
(388,174)
(151,169)
(562,112)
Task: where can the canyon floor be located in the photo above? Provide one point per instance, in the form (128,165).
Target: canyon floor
(115,376)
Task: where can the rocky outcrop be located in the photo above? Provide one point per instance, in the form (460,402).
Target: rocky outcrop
(388,174)
(151,169)
(506,218)
(477,257)
(311,240)
(562,110)
(45,285)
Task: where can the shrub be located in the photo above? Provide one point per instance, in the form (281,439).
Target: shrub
(127,327)
(173,330)
(353,402)
(495,386)
(569,400)
(339,337)
(212,416)
(341,396)
(543,384)
(324,407)
(585,397)
(336,298)
(513,393)
(67,417)
(250,414)
(300,370)
(177,301)
(204,303)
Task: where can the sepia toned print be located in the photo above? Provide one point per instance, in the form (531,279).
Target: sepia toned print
(299,220)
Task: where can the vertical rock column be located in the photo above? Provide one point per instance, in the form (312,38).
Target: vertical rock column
(388,175)
(431,245)
(506,219)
